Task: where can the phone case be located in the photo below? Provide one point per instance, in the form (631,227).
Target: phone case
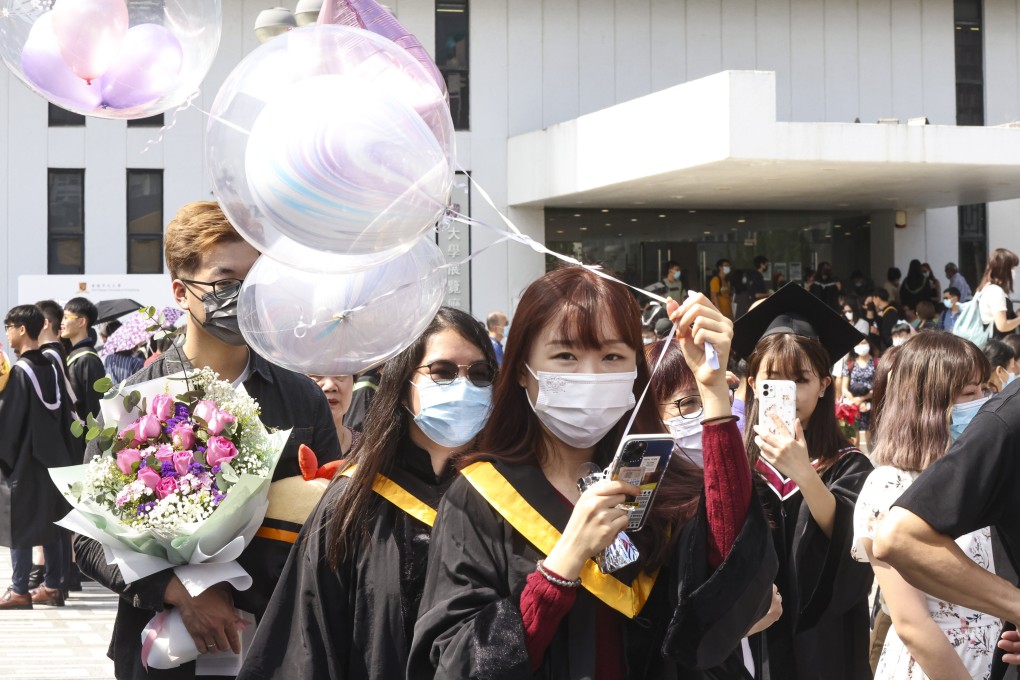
(780,397)
(642,460)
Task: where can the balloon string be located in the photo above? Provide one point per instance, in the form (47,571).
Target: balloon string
(173,121)
(232,126)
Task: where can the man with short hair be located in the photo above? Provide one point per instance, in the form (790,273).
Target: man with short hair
(84,367)
(208,261)
(756,288)
(957,281)
(497,325)
(35,435)
(951,301)
(674,288)
(886,318)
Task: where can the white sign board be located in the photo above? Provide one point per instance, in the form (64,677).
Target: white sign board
(147,289)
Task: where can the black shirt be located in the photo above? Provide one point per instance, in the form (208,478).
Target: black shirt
(84,368)
(975,484)
(755,284)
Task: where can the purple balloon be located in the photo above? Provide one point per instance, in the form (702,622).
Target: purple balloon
(48,73)
(146,68)
(369,15)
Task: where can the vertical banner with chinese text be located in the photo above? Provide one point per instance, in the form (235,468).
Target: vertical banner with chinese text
(454,240)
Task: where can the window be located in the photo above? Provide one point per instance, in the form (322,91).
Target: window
(63,118)
(973,241)
(452,56)
(145,221)
(970,71)
(151,121)
(66,222)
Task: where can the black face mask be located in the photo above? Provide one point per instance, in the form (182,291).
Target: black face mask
(221,320)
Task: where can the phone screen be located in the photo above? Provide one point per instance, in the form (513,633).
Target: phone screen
(642,461)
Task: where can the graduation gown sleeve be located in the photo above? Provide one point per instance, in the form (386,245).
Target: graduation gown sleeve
(469,623)
(305,632)
(828,581)
(717,608)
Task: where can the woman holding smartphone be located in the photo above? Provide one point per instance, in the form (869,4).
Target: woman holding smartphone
(511,591)
(813,476)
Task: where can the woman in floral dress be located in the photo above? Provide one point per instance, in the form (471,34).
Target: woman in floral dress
(934,390)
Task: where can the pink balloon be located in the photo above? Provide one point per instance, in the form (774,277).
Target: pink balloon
(90,34)
(369,15)
(45,69)
(147,67)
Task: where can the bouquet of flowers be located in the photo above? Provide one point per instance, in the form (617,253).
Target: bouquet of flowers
(847,414)
(181,483)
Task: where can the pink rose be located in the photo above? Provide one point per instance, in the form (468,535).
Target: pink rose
(182,461)
(219,420)
(204,409)
(148,427)
(219,450)
(126,458)
(148,477)
(184,436)
(165,453)
(162,407)
(166,486)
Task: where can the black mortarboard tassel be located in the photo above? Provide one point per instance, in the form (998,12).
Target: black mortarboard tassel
(792,309)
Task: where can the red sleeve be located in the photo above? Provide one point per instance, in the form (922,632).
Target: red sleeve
(543,606)
(727,486)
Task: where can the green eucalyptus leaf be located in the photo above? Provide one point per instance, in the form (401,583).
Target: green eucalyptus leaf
(77,429)
(228,473)
(103,385)
(76,490)
(92,433)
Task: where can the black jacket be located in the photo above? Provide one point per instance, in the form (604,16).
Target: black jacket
(84,368)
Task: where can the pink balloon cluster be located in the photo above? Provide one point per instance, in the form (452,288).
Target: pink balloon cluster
(82,55)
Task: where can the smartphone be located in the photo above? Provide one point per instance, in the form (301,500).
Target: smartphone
(641,460)
(779,397)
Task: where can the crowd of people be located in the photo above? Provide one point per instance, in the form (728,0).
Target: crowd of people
(872,535)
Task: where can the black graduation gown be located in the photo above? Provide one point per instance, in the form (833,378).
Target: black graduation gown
(824,630)
(33,439)
(470,623)
(84,368)
(355,621)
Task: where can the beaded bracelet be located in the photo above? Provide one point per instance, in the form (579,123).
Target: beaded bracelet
(556,580)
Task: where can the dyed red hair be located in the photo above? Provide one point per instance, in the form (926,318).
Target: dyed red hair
(578,300)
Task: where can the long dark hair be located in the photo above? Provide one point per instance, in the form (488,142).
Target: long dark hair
(789,354)
(582,300)
(385,427)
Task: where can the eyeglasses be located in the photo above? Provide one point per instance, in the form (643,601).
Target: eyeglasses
(9,326)
(443,372)
(685,407)
(224,289)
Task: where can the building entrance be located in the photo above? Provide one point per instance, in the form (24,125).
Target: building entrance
(638,243)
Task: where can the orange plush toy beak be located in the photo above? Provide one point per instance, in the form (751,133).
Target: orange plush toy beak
(309,464)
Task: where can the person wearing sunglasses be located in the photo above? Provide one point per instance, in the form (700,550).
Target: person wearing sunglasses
(348,598)
(208,261)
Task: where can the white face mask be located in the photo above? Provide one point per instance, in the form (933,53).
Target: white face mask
(725,270)
(686,433)
(898,341)
(862,350)
(849,316)
(580,408)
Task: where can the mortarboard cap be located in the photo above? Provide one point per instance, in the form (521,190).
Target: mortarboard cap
(794,310)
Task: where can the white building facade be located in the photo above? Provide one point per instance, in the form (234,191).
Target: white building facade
(617,114)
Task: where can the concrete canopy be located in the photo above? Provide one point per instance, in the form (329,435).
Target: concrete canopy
(714,143)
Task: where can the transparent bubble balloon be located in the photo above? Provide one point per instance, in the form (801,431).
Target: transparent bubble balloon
(340,324)
(122,59)
(331,149)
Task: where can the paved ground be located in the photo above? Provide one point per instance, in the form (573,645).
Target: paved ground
(57,642)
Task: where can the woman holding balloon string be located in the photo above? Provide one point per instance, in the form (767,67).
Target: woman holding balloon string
(572,372)
(347,600)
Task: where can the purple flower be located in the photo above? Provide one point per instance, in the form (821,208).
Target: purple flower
(168,470)
(181,411)
(196,468)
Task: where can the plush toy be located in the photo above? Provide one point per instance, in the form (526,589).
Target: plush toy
(5,369)
(292,499)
